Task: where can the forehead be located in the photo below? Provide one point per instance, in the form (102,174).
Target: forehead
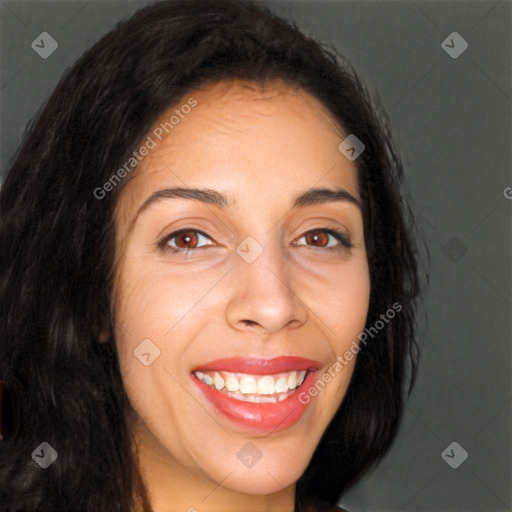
(244,98)
(239,130)
(234,108)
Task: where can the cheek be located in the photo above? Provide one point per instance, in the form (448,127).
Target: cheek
(343,309)
(158,315)
(157,296)
(340,300)
(140,319)
(143,317)
(353,302)
(146,305)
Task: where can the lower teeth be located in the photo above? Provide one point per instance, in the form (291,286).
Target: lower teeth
(258,398)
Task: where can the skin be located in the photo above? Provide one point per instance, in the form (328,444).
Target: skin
(261,148)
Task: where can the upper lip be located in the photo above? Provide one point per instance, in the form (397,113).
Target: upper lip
(260,366)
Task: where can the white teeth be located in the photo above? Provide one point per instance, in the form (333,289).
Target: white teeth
(266,385)
(218,381)
(248,385)
(231,383)
(281,385)
(265,388)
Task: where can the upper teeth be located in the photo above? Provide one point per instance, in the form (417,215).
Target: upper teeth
(253,384)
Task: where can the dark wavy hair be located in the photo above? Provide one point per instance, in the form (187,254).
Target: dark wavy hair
(58,242)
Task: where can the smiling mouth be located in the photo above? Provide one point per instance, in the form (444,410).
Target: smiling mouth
(271,388)
(256,393)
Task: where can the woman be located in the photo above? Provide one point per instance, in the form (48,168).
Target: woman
(207,278)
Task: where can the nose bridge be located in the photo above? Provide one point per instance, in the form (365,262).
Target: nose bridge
(265,293)
(265,264)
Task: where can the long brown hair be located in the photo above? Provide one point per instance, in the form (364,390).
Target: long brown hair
(57,241)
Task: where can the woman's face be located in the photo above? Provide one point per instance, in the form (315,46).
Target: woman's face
(217,325)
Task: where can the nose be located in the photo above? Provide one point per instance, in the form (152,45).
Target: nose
(264,297)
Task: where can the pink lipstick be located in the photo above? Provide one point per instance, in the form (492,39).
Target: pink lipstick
(260,394)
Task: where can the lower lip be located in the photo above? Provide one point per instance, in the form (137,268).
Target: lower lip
(261,417)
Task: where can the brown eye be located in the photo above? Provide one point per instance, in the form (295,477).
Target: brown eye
(186,239)
(183,240)
(317,238)
(328,239)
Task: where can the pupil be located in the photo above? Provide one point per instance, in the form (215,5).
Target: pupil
(317,236)
(186,238)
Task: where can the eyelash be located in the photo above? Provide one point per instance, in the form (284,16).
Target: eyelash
(344,240)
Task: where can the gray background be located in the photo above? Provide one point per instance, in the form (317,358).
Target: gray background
(451,123)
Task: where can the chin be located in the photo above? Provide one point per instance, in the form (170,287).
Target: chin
(264,477)
(262,483)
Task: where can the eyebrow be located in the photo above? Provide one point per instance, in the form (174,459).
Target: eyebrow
(310,197)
